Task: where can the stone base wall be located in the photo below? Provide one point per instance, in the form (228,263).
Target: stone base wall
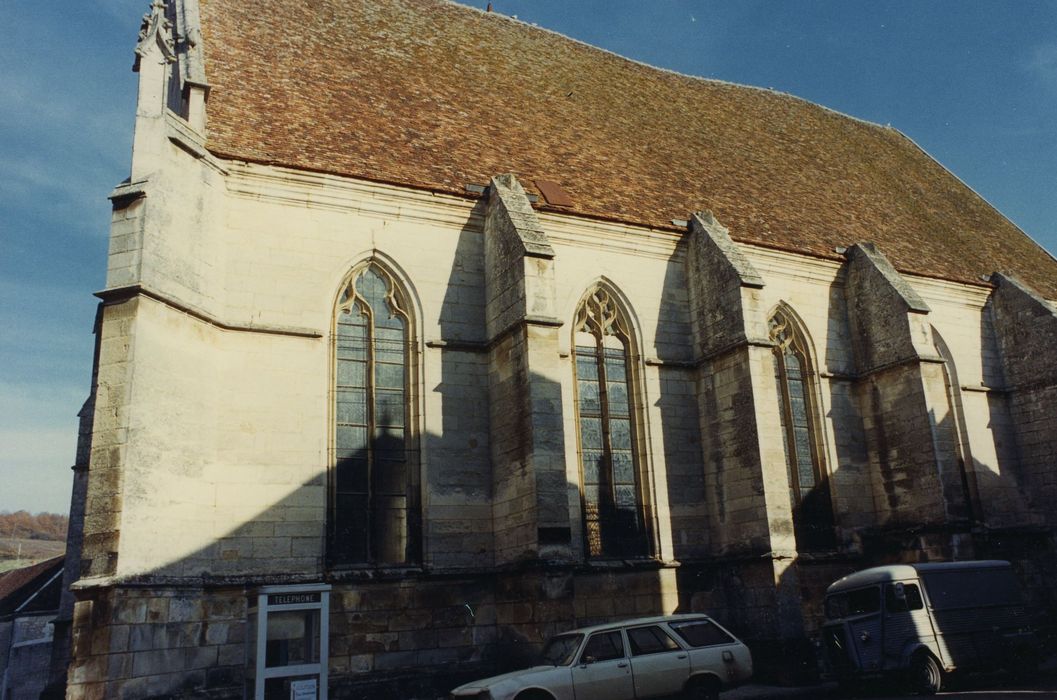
(402,638)
(151,642)
(419,636)
(491,622)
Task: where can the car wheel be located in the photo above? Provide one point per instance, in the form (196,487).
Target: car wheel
(534,695)
(702,689)
(926,678)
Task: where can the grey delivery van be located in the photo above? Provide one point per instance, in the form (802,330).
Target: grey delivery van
(923,620)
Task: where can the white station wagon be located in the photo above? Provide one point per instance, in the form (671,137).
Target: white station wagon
(653,657)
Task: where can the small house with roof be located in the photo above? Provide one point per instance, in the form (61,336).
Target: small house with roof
(29,602)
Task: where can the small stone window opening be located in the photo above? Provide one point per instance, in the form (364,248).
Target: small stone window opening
(802,436)
(614,519)
(374,504)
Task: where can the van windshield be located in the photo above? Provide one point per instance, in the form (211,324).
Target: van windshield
(560,650)
(862,601)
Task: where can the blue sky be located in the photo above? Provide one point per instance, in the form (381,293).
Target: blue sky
(973,83)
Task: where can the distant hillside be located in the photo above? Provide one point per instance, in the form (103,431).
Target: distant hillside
(27,538)
(16,553)
(25,525)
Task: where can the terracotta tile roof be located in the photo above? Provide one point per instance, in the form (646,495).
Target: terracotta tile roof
(18,584)
(436,95)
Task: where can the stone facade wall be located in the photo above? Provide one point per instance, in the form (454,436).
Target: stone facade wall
(900,392)
(103,499)
(514,485)
(1026,329)
(680,439)
(531,514)
(420,637)
(458,482)
(735,491)
(208,473)
(905,483)
(158,641)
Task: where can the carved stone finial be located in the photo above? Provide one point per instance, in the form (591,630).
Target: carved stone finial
(156,30)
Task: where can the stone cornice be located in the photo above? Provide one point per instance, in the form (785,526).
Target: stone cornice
(120,295)
(302,188)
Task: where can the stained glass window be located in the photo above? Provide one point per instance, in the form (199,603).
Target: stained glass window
(373,499)
(808,489)
(614,521)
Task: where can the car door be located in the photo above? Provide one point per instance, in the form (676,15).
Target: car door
(713,649)
(906,622)
(603,672)
(659,666)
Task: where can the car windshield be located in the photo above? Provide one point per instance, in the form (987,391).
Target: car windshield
(858,602)
(561,649)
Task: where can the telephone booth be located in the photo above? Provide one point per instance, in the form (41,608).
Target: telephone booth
(288,629)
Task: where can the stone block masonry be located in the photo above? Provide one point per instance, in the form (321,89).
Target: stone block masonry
(1026,329)
(527,436)
(148,642)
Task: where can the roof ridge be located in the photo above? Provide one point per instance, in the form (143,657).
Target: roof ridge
(972,189)
(668,71)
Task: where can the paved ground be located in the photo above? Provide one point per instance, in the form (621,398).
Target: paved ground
(991,687)
(829,691)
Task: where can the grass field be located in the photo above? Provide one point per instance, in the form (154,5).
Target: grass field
(16,552)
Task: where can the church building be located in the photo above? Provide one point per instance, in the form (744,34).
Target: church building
(428,333)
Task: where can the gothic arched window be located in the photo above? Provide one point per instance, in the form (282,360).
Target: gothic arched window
(374,480)
(965,504)
(613,513)
(802,433)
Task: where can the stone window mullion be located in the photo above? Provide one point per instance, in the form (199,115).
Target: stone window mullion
(603,404)
(372,424)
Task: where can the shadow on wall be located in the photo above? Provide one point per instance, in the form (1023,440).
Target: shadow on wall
(1012,494)
(457,461)
(1031,550)
(853,504)
(680,425)
(181,628)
